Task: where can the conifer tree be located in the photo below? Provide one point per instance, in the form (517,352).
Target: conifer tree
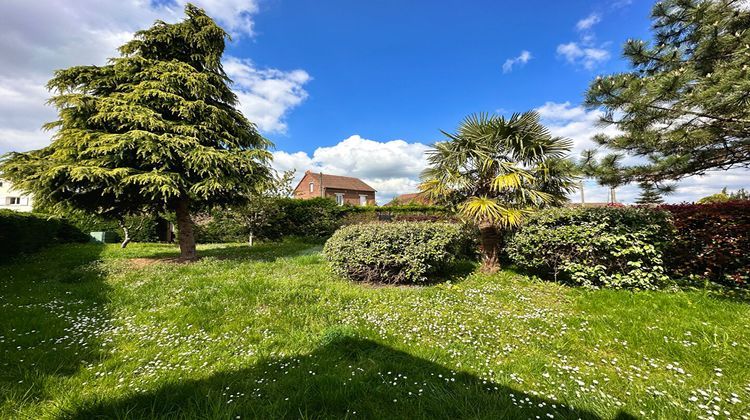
(650,195)
(156,129)
(685,105)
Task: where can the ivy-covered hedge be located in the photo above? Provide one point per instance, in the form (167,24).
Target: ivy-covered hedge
(595,247)
(399,252)
(22,233)
(712,241)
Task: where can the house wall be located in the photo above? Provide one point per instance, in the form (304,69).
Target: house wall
(303,189)
(8,194)
(351,196)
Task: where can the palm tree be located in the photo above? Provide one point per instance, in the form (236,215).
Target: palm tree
(495,171)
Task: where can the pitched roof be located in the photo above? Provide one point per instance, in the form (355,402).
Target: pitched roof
(416,198)
(343,182)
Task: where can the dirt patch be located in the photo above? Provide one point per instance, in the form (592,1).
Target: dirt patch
(145,262)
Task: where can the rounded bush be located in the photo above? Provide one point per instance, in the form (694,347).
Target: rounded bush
(397,252)
(595,247)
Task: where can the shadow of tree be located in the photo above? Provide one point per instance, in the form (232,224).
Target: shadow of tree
(345,377)
(262,252)
(52,305)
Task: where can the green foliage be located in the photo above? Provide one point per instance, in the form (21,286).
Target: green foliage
(595,247)
(154,130)
(272,218)
(142,228)
(685,103)
(21,233)
(399,252)
(724,196)
(494,171)
(650,194)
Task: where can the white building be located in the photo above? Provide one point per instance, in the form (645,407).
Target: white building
(14,200)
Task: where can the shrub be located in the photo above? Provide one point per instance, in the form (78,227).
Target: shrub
(27,232)
(399,252)
(315,218)
(595,247)
(712,241)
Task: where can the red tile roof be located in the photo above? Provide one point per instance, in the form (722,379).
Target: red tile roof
(411,198)
(344,182)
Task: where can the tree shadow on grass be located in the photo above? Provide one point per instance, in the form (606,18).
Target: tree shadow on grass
(262,252)
(53,308)
(345,377)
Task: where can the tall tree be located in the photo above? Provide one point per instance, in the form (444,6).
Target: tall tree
(609,173)
(156,129)
(495,171)
(686,103)
(650,194)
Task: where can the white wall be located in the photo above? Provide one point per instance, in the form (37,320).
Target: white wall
(14,200)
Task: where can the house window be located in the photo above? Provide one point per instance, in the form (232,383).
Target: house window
(340,199)
(362,200)
(13,200)
(312,187)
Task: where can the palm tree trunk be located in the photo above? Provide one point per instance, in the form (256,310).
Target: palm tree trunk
(185,228)
(490,238)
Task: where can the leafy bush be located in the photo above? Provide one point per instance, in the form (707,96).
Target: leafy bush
(313,218)
(712,241)
(399,252)
(595,247)
(27,232)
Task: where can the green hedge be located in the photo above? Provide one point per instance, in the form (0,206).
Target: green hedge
(595,247)
(86,223)
(22,233)
(399,252)
(314,218)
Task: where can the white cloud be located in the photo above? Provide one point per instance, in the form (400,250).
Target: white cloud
(585,52)
(266,95)
(588,22)
(519,61)
(37,38)
(581,125)
(391,167)
(579,54)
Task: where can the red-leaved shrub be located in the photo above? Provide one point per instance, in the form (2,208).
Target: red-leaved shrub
(712,240)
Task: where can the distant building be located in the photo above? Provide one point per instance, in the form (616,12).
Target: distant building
(410,198)
(343,189)
(14,200)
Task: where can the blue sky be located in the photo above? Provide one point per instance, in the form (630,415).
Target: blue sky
(394,69)
(355,88)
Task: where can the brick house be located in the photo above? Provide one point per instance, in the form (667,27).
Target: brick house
(343,189)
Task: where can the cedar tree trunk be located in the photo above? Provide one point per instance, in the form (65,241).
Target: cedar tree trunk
(490,237)
(185,228)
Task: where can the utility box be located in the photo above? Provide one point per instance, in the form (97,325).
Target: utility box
(103,237)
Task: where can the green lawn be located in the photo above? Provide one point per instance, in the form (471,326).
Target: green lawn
(91,331)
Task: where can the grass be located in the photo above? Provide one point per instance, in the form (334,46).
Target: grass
(93,331)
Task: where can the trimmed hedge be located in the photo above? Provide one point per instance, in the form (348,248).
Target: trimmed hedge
(22,233)
(595,247)
(712,241)
(399,252)
(314,218)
